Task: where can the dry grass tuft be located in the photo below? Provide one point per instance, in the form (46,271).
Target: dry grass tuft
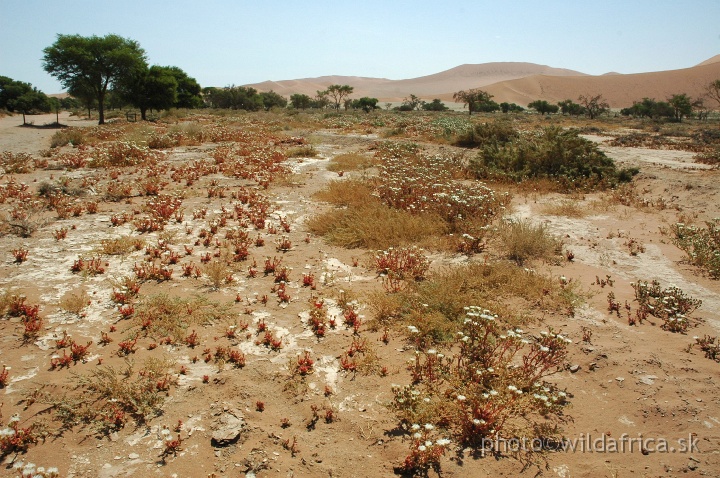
(566,208)
(120,246)
(375,226)
(163,316)
(349,162)
(75,302)
(521,241)
(436,306)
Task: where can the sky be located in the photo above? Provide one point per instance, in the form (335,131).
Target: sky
(226,42)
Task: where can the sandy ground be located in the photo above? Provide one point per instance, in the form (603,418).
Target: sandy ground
(632,380)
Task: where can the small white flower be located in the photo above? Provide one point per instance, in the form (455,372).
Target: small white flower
(428,443)
(417,435)
(461,398)
(421,448)
(415,427)
(428,426)
(493,392)
(443,442)
(512,388)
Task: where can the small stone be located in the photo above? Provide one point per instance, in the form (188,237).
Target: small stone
(620,379)
(574,368)
(692,466)
(133,456)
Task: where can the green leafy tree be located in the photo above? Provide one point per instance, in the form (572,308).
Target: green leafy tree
(506,107)
(569,107)
(412,103)
(434,105)
(543,107)
(339,93)
(366,104)
(649,108)
(188,89)
(681,104)
(153,88)
(270,99)
(593,105)
(476,100)
(321,100)
(300,101)
(234,97)
(17,96)
(93,63)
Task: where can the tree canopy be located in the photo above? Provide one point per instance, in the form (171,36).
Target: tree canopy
(17,96)
(366,104)
(542,107)
(594,105)
(338,93)
(149,88)
(93,63)
(476,100)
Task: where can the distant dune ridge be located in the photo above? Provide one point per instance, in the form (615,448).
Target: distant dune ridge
(518,82)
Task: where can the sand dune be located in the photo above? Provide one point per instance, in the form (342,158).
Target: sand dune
(430,86)
(518,83)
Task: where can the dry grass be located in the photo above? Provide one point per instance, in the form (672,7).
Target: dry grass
(437,306)
(349,162)
(522,241)
(216,271)
(566,208)
(164,316)
(375,226)
(75,302)
(120,246)
(364,222)
(306,151)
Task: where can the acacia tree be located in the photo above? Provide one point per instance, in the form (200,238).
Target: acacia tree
(594,105)
(713,90)
(22,97)
(682,105)
(149,88)
(338,93)
(300,101)
(542,107)
(93,63)
(476,100)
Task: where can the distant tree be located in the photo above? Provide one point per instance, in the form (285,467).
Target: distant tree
(713,90)
(32,101)
(681,104)
(270,100)
(388,106)
(411,103)
(153,88)
(569,107)
(649,108)
(69,103)
(300,102)
(17,96)
(594,105)
(543,107)
(476,100)
(188,89)
(434,105)
(85,95)
(506,107)
(93,63)
(321,100)
(366,104)
(339,93)
(234,97)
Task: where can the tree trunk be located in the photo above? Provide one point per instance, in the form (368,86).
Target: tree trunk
(101,108)
(143,115)
(23,118)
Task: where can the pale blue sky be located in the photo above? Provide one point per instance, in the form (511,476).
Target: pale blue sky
(223,42)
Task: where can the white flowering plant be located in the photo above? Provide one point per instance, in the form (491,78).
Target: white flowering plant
(493,385)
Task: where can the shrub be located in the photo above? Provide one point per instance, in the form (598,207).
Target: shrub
(493,387)
(349,162)
(522,241)
(701,245)
(671,305)
(561,155)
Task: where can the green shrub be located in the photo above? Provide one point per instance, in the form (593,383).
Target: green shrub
(550,153)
